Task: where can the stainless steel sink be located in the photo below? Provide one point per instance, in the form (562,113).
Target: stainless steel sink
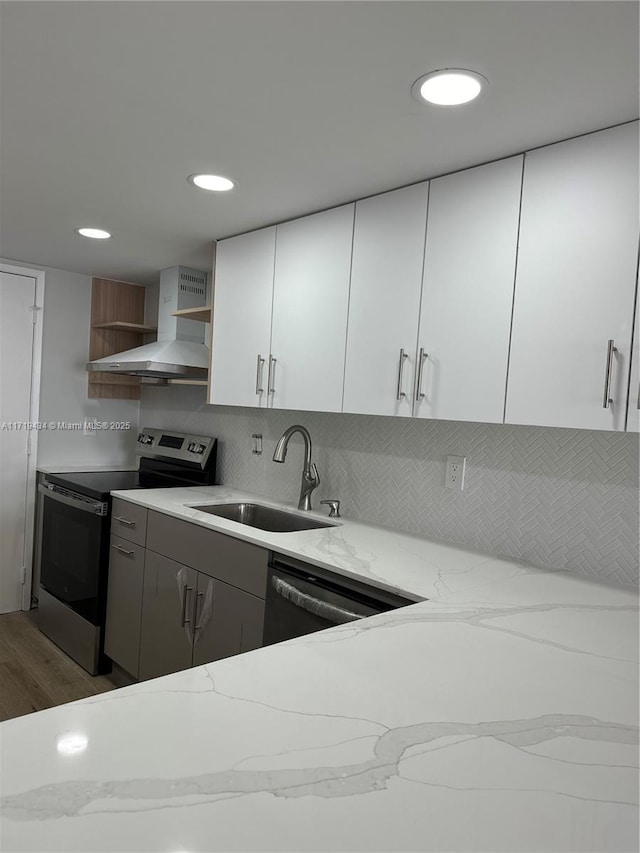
(264,517)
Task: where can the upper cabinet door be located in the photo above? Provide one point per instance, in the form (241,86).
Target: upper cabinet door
(467,293)
(575,283)
(242,300)
(310,304)
(386,280)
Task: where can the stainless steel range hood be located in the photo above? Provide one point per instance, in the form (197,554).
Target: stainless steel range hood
(180,351)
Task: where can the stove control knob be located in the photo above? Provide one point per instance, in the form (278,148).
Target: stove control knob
(145,438)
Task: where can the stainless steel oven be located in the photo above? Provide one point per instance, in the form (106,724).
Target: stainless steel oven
(74,560)
(74,550)
(75,531)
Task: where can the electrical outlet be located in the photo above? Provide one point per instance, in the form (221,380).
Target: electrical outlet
(89,427)
(256,443)
(454,478)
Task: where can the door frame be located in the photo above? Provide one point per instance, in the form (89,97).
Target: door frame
(34,412)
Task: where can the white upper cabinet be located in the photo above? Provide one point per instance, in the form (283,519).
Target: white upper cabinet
(575,283)
(467,294)
(243,295)
(386,280)
(310,305)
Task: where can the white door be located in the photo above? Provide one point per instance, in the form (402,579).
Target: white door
(310,305)
(242,298)
(384,306)
(575,283)
(467,293)
(17,296)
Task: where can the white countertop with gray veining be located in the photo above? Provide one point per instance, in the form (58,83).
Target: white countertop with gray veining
(409,565)
(500,715)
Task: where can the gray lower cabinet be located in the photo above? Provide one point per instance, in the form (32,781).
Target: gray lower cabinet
(233,624)
(191,597)
(237,563)
(189,618)
(129,521)
(124,603)
(166,637)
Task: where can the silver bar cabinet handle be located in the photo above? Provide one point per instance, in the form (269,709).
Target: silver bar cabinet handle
(183,617)
(607,399)
(421,360)
(259,366)
(123,550)
(196,617)
(399,392)
(271,386)
(124,521)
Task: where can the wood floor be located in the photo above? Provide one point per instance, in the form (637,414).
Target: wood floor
(35,674)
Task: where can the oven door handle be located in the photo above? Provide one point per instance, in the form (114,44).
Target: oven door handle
(83,504)
(331,612)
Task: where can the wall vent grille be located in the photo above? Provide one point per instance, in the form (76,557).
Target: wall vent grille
(190,283)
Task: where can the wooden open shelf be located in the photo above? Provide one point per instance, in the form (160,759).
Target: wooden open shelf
(117,324)
(202,314)
(122,326)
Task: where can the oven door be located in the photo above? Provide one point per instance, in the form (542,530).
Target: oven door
(75,550)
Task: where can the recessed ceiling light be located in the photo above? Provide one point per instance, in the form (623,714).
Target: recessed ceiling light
(214,183)
(448,87)
(94,233)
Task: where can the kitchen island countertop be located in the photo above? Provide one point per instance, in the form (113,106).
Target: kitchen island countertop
(500,714)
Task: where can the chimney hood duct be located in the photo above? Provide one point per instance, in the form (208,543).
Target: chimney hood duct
(180,351)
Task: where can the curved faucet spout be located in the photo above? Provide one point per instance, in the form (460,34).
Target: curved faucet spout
(310,476)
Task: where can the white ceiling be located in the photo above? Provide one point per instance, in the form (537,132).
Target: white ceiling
(107,107)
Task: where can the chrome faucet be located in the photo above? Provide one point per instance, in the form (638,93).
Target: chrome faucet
(310,476)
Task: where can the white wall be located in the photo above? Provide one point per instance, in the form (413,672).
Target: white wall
(63,389)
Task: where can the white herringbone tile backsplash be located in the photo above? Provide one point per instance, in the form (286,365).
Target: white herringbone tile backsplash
(554,497)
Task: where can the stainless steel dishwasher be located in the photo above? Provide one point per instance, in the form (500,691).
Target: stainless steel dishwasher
(302,599)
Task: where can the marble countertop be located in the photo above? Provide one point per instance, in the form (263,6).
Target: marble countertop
(408,565)
(500,715)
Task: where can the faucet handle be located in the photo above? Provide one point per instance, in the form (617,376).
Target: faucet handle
(334,511)
(315,477)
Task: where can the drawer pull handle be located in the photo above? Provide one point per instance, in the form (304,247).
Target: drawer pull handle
(123,550)
(124,521)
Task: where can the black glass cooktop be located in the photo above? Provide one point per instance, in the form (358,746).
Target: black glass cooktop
(96,484)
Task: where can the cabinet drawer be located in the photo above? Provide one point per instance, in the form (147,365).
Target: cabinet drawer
(129,521)
(237,563)
(124,604)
